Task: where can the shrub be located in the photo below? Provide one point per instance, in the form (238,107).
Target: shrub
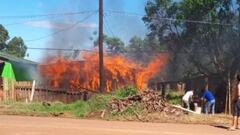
(98,102)
(174,97)
(79,108)
(125,92)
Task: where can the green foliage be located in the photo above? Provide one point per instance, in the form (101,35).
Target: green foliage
(98,102)
(79,108)
(3,37)
(15,46)
(143,49)
(125,92)
(115,45)
(196,42)
(174,97)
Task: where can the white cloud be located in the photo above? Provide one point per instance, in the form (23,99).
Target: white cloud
(41,24)
(58,25)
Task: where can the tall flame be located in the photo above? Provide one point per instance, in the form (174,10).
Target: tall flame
(119,71)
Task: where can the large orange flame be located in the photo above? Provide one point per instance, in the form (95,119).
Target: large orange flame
(119,71)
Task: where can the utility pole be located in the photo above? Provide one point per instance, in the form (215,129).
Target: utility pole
(100,42)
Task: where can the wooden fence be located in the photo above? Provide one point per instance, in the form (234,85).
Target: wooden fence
(24,89)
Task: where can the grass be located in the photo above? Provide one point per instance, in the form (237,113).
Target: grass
(84,109)
(77,109)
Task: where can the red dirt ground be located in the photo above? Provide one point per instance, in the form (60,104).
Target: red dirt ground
(22,125)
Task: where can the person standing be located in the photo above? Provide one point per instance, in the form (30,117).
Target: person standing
(187,98)
(210,101)
(236,111)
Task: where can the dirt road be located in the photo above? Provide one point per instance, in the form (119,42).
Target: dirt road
(21,125)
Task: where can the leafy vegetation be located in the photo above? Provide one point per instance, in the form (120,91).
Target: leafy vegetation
(174,97)
(125,92)
(82,109)
(15,46)
(77,109)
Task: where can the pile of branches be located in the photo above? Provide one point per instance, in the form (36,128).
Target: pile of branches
(150,100)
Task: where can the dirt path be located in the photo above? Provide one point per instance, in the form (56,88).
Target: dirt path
(21,125)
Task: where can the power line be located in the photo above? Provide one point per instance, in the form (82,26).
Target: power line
(59,31)
(60,49)
(163,18)
(68,50)
(106,24)
(24,22)
(46,15)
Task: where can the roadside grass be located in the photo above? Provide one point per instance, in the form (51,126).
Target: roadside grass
(96,104)
(80,108)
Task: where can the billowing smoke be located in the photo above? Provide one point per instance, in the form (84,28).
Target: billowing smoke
(73,31)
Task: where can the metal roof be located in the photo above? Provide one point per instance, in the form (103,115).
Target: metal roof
(8,57)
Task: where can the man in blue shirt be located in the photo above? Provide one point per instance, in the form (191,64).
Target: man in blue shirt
(208,96)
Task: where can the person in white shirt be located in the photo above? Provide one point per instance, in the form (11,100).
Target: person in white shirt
(187,97)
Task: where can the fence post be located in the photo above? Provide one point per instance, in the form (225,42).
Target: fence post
(33,90)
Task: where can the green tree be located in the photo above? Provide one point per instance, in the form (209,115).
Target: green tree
(3,37)
(202,45)
(113,44)
(143,49)
(16,47)
(199,38)
(135,48)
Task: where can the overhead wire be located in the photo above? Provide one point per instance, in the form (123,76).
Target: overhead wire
(106,24)
(66,49)
(47,15)
(28,21)
(163,18)
(106,13)
(109,12)
(59,31)
(60,49)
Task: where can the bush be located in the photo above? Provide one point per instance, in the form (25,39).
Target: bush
(79,108)
(174,97)
(125,92)
(98,102)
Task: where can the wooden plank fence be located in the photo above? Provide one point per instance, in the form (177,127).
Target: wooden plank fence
(23,93)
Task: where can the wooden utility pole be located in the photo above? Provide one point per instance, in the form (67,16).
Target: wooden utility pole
(101,65)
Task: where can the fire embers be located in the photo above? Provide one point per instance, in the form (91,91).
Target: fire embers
(84,74)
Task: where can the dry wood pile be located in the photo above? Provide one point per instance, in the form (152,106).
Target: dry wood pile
(150,100)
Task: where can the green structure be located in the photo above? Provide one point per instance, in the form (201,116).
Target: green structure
(22,69)
(8,71)
(14,69)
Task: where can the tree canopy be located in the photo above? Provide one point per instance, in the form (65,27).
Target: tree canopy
(14,46)
(203,35)
(3,37)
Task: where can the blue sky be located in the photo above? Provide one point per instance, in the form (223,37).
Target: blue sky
(32,28)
